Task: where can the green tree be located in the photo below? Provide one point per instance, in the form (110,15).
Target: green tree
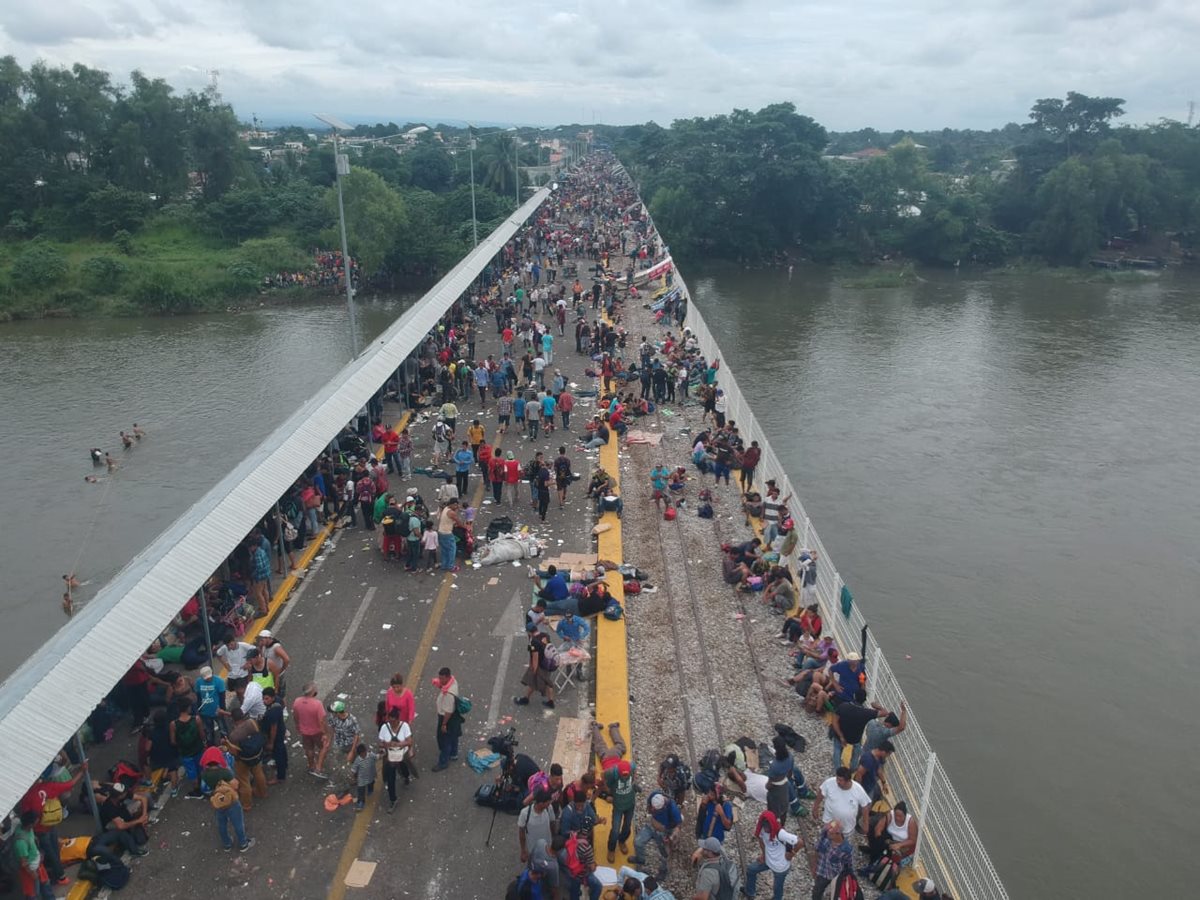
(430,166)
(375,217)
(103,274)
(1067,228)
(241,213)
(112,209)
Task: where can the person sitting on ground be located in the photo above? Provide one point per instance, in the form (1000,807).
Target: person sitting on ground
(554,588)
(677,481)
(734,572)
(127,814)
(780,593)
(895,833)
(811,653)
(596,434)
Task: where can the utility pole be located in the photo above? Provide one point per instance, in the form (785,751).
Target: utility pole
(342,167)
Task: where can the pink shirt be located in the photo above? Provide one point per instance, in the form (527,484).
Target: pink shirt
(309,715)
(402,701)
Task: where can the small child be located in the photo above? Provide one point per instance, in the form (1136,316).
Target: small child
(362,770)
(429,541)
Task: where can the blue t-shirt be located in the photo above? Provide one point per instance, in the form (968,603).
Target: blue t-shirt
(498,379)
(463,460)
(208,695)
(548,406)
(711,820)
(547,341)
(871,766)
(519,407)
(556,588)
(847,679)
(669,816)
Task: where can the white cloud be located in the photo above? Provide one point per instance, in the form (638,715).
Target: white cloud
(923,64)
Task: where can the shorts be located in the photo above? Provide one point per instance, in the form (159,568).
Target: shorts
(562,482)
(504,420)
(540,681)
(656,494)
(312,742)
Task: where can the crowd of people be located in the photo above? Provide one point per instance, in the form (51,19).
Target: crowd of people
(326,271)
(221,735)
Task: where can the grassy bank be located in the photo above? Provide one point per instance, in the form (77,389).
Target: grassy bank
(168,267)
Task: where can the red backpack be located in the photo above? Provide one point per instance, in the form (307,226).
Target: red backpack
(571,851)
(669,514)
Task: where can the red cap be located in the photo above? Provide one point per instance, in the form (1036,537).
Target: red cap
(623,768)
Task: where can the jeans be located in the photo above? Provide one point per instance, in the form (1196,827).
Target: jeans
(310,516)
(48,842)
(622,825)
(645,835)
(855,754)
(534,425)
(447,746)
(231,815)
(461,480)
(820,885)
(752,873)
(280,755)
(575,886)
(594,443)
(393,461)
(566,420)
(447,548)
(567,607)
(406,467)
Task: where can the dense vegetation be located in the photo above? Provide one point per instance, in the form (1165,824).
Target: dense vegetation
(133,198)
(757,185)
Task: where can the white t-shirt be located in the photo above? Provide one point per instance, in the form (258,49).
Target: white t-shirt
(776,850)
(235,659)
(403,733)
(842,805)
(252,701)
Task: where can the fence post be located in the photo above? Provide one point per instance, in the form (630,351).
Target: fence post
(872,676)
(924,813)
(807,530)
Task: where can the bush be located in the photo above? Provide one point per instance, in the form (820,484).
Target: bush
(38,265)
(267,256)
(161,291)
(103,274)
(123,241)
(72,299)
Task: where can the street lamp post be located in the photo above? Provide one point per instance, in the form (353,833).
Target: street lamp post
(474,220)
(517,170)
(342,167)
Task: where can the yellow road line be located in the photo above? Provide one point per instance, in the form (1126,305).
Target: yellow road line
(362,822)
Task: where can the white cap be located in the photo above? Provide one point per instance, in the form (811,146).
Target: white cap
(657,802)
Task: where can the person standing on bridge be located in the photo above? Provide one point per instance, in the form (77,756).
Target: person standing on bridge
(449,722)
(464,458)
(448,519)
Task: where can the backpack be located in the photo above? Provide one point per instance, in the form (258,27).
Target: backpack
(885,872)
(731,878)
(52,812)
(633,587)
(575,867)
(549,662)
(705,511)
(251,748)
(538,781)
(704,780)
(847,887)
(462,706)
(613,611)
(224,795)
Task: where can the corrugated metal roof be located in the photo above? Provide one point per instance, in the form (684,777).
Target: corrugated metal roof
(45,701)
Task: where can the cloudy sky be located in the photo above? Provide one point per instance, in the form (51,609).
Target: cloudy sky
(916,64)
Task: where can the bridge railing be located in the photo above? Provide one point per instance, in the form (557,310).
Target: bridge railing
(949,851)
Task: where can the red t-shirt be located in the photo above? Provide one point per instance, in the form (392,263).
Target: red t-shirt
(512,471)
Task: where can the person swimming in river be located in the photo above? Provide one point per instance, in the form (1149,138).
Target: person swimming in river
(138,433)
(110,462)
(97,456)
(126,440)
(68,604)
(72,581)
